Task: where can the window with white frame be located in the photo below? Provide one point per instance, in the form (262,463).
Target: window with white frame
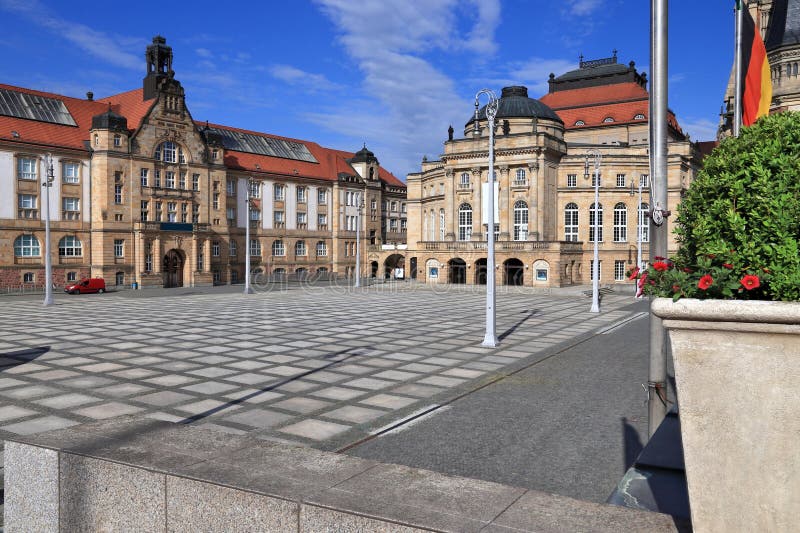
(230,214)
(255,189)
(117,139)
(71,208)
(464,222)
(619,270)
(644,222)
(279,192)
(255,247)
(302,220)
(167,152)
(119,247)
(620,222)
(232,247)
(144,177)
(279,219)
(70,246)
(117,194)
(393,206)
(572,180)
(230,187)
(69,172)
(72,276)
(144,210)
(27,206)
(172,211)
(596,223)
(182,181)
(255,214)
(278,249)
(620,180)
(157,178)
(404,225)
(322,249)
(215,201)
(26,168)
(195,182)
(393,224)
(599,270)
(520,221)
(28,277)
(26,246)
(300,248)
(432,227)
(350,223)
(215,249)
(302,195)
(322,196)
(196,213)
(184,212)
(571,222)
(644,181)
(373,204)
(521,176)
(322,221)
(464,180)
(597,178)
(158,211)
(169,179)
(442,228)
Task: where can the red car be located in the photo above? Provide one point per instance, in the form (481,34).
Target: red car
(86,285)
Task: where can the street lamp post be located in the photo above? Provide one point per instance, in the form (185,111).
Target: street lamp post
(247,288)
(490,338)
(48,263)
(638,235)
(596,263)
(360,203)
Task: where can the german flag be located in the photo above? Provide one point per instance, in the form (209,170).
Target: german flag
(755,82)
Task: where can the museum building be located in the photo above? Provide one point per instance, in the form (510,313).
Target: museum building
(138,192)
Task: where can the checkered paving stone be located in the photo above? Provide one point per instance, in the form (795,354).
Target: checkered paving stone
(323,367)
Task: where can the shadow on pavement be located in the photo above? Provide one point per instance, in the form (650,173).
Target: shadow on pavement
(20,357)
(512,329)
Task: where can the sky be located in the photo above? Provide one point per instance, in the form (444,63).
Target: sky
(391,74)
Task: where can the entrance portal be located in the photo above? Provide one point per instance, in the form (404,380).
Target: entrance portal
(173,269)
(480,272)
(513,272)
(458,270)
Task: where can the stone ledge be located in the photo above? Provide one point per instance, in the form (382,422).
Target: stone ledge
(153,474)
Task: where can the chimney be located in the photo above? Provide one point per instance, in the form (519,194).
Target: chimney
(90,96)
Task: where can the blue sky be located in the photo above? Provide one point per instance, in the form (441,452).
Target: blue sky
(393,74)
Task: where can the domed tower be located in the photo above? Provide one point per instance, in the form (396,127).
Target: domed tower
(109,132)
(366,164)
(517,113)
(783,44)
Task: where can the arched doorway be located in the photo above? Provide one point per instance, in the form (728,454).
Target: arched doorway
(173,269)
(514,271)
(480,272)
(373,269)
(457,271)
(392,263)
(412,267)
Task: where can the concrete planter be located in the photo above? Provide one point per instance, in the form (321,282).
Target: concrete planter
(737,372)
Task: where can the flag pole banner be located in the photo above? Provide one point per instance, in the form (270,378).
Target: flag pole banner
(755,71)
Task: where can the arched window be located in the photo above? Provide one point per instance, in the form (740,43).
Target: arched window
(571,222)
(608,120)
(255,247)
(442,229)
(432,226)
(26,246)
(520,220)
(70,246)
(620,222)
(580,123)
(644,224)
(465,180)
(521,175)
(278,250)
(169,152)
(300,248)
(638,116)
(464,222)
(596,223)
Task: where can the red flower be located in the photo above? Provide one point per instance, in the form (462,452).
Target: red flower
(676,288)
(705,282)
(659,258)
(634,273)
(750,282)
(728,266)
(661,266)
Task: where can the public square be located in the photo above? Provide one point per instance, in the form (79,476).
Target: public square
(335,367)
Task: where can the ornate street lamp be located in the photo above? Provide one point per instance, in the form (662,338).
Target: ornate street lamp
(638,233)
(596,263)
(360,203)
(250,184)
(490,338)
(48,263)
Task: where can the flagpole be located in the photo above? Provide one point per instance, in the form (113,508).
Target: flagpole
(737,78)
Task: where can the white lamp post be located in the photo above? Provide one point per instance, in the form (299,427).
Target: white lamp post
(48,263)
(490,338)
(360,203)
(638,235)
(596,263)
(247,288)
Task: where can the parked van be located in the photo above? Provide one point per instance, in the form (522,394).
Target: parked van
(86,285)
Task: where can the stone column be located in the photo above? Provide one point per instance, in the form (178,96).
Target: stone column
(477,198)
(141,254)
(540,196)
(504,204)
(533,200)
(157,255)
(207,256)
(451,201)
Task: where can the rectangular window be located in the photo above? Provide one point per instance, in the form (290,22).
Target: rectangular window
(172,211)
(322,249)
(599,270)
(26,168)
(644,181)
(158,211)
(404,225)
(302,220)
(255,190)
(322,196)
(169,179)
(195,182)
(230,187)
(619,270)
(117,140)
(280,220)
(72,207)
(232,247)
(255,247)
(119,248)
(597,179)
(620,223)
(301,195)
(322,221)
(394,206)
(255,214)
(373,204)
(278,192)
(215,201)
(182,184)
(393,224)
(70,172)
(157,178)
(184,212)
(215,248)
(196,213)
(144,209)
(117,194)
(403,207)
(572,180)
(144,175)
(26,201)
(231,214)
(620,180)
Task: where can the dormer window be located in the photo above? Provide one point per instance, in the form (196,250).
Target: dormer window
(96,140)
(638,116)
(215,154)
(608,120)
(580,123)
(117,139)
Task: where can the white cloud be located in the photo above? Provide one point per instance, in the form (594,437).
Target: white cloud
(307,81)
(535,72)
(204,52)
(111,48)
(481,37)
(700,129)
(581,8)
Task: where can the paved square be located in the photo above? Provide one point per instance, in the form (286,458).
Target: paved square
(323,367)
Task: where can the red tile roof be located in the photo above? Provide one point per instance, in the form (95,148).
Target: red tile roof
(618,92)
(131,105)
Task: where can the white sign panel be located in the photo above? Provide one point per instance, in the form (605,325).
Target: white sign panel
(485,203)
